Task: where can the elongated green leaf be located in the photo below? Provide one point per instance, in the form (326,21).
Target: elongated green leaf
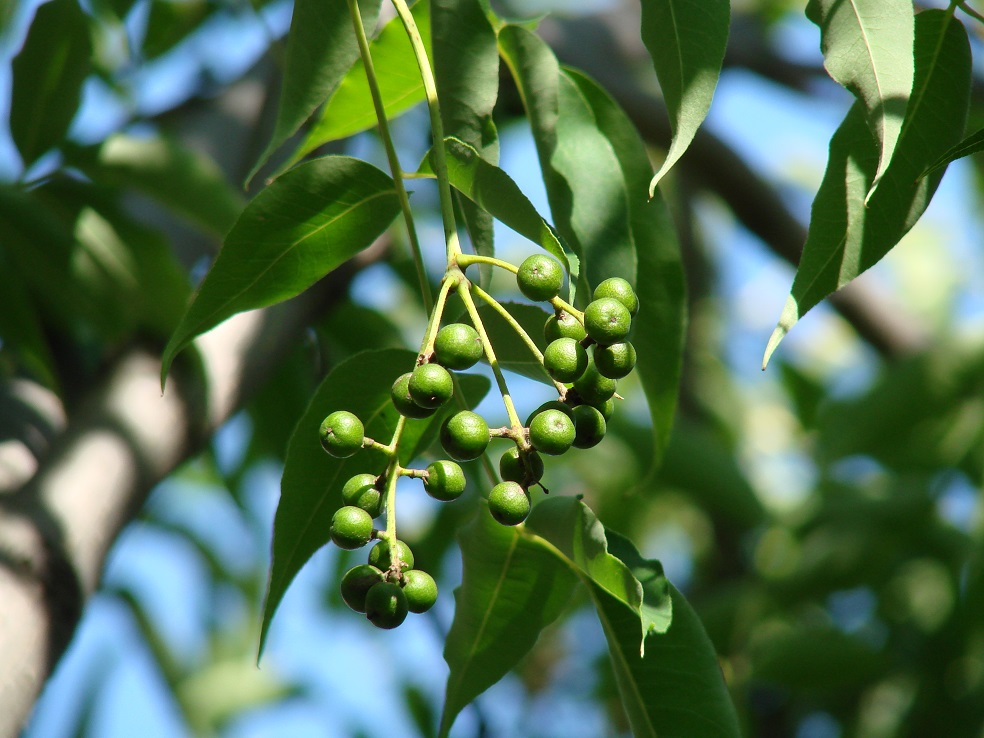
(867,48)
(21,331)
(686,40)
(970,145)
(847,235)
(512,587)
(350,110)
(310,490)
(47,77)
(321,47)
(292,234)
(179,178)
(497,193)
(672,688)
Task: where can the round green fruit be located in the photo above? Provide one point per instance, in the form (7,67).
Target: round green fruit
(565,360)
(356,584)
(509,503)
(465,435)
(361,491)
(593,388)
(342,434)
(552,405)
(589,426)
(383,554)
(386,605)
(430,385)
(616,360)
(552,432)
(458,346)
(540,277)
(420,590)
(522,468)
(621,290)
(607,321)
(351,527)
(607,408)
(563,325)
(445,480)
(403,402)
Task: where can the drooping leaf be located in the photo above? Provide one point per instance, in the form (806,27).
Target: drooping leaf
(48,73)
(848,235)
(349,110)
(672,687)
(179,178)
(310,489)
(867,48)
(512,587)
(292,234)
(686,40)
(970,145)
(321,48)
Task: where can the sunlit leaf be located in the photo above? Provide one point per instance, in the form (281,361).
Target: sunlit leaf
(848,235)
(970,145)
(686,40)
(292,234)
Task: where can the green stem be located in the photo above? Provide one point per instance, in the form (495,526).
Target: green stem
(466,260)
(392,475)
(437,129)
(970,11)
(450,281)
(560,304)
(391,156)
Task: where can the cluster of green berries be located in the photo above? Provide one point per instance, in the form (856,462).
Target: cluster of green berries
(388,587)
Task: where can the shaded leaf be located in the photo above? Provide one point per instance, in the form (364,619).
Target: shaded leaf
(310,489)
(512,587)
(970,145)
(321,48)
(847,235)
(21,331)
(293,233)
(686,40)
(867,48)
(48,73)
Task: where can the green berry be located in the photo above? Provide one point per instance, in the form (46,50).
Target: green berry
(420,590)
(445,480)
(607,408)
(430,385)
(382,555)
(351,527)
(458,346)
(356,583)
(616,360)
(540,277)
(361,491)
(607,321)
(565,359)
(465,435)
(523,468)
(342,434)
(403,402)
(552,432)
(552,405)
(593,388)
(386,605)
(589,426)
(563,325)
(621,290)
(509,503)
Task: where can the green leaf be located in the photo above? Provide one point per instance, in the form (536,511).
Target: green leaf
(321,48)
(310,490)
(867,48)
(512,587)
(177,177)
(672,687)
(292,234)
(21,330)
(47,78)
(497,193)
(848,235)
(350,109)
(686,40)
(970,145)
(170,22)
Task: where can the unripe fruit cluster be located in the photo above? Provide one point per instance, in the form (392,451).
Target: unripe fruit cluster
(585,356)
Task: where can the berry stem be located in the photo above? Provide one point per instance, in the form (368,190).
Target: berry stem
(561,304)
(450,281)
(392,473)
(465,260)
(391,156)
(437,129)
